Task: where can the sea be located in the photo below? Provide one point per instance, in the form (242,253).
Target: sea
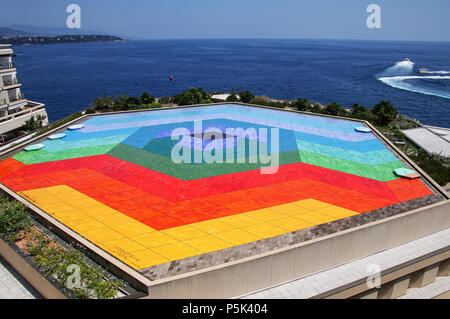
(68,77)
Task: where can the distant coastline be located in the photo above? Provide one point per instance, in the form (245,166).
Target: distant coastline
(40,40)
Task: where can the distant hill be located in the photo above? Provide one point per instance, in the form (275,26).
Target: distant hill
(8,32)
(32,35)
(52,31)
(19,30)
(38,40)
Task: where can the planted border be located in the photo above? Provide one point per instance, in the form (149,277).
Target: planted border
(68,267)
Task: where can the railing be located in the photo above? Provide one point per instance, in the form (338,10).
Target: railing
(19,97)
(6,66)
(11,82)
(21,113)
(3,102)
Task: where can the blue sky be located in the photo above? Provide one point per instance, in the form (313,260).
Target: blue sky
(331,19)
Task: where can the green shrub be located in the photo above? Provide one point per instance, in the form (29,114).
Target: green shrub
(232,98)
(30,125)
(356,109)
(103,104)
(51,259)
(166,100)
(54,261)
(261,100)
(302,104)
(155,105)
(37,243)
(399,134)
(333,109)
(34,122)
(403,123)
(385,112)
(146,98)
(438,167)
(59,123)
(265,101)
(13,219)
(316,108)
(362,113)
(120,102)
(246,96)
(192,96)
(90,110)
(132,103)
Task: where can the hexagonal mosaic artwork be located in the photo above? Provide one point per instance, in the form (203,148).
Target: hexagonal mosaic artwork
(116,183)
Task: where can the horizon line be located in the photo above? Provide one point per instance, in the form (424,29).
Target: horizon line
(140,38)
(279,38)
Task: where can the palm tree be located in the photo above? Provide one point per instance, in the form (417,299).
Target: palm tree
(40,118)
(30,124)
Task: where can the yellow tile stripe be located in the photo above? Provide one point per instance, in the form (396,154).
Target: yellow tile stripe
(141,246)
(100,224)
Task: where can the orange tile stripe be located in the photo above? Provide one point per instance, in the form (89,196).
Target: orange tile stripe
(8,166)
(160,213)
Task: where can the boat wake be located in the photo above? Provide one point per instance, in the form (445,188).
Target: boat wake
(427,82)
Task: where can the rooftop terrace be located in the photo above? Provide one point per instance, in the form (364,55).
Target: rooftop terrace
(115,183)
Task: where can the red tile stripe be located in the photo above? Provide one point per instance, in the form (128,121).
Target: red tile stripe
(174,189)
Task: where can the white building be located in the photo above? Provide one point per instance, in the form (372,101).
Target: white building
(15,109)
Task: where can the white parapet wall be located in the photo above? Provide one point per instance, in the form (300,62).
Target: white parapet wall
(14,121)
(258,272)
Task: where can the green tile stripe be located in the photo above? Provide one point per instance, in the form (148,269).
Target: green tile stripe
(369,158)
(42,156)
(381,172)
(185,171)
(64,144)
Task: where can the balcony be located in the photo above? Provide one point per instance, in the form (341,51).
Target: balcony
(3,102)
(15,99)
(7,66)
(12,82)
(5,49)
(16,120)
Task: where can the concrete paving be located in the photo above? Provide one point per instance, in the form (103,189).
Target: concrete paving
(429,140)
(441,131)
(11,285)
(439,287)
